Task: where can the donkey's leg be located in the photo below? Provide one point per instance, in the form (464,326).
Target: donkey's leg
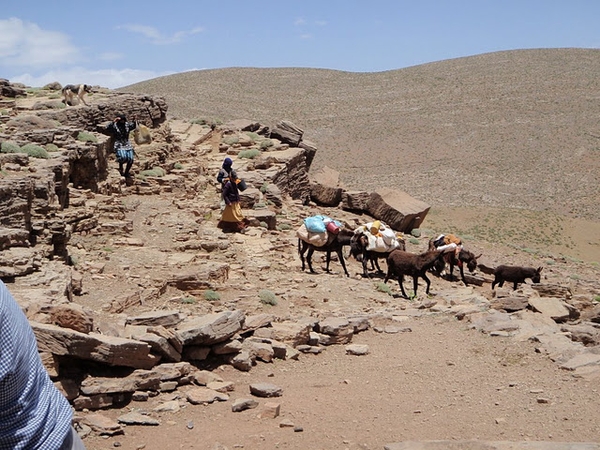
(424,276)
(301,249)
(364,265)
(328,259)
(309,259)
(377,265)
(341,258)
(401,283)
(373,261)
(415,284)
(389,273)
(462,274)
(451,272)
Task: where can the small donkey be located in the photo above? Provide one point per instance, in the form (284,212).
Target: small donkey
(515,274)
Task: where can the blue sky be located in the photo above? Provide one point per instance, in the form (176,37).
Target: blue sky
(114,44)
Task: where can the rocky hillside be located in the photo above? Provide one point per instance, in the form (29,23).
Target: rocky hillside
(134,293)
(512,134)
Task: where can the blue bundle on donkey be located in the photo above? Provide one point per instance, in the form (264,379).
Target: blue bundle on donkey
(322,233)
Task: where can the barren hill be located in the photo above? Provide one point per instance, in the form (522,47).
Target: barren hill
(511,136)
(142,261)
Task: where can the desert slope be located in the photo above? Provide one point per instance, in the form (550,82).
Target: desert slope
(511,131)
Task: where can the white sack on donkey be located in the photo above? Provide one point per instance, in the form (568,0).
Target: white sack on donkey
(381,237)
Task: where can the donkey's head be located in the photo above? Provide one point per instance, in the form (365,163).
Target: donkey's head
(358,244)
(470,259)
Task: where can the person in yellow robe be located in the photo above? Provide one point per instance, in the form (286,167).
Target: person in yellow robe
(232,218)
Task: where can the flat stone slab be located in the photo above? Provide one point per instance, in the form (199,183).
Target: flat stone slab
(491,445)
(93,346)
(134,418)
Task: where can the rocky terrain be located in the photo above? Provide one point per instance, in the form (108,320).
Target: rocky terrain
(503,145)
(165,332)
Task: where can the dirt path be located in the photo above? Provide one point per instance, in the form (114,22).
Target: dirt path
(438,381)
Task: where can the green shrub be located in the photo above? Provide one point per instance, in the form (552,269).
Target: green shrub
(188,300)
(263,225)
(211,296)
(267,143)
(597,298)
(52,148)
(267,297)
(231,140)
(207,122)
(10,147)
(284,227)
(414,241)
(178,166)
(84,136)
(249,154)
(416,232)
(264,187)
(382,287)
(154,172)
(253,136)
(35,151)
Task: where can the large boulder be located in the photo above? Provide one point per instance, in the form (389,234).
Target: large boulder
(398,209)
(212,328)
(355,201)
(288,170)
(288,133)
(110,350)
(311,151)
(324,188)
(11,237)
(7,89)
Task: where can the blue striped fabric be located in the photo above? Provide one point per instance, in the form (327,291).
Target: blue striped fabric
(33,413)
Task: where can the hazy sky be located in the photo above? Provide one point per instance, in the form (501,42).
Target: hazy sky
(114,44)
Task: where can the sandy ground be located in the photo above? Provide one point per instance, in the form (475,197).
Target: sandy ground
(438,381)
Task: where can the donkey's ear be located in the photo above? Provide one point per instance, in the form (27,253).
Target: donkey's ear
(539,269)
(480,255)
